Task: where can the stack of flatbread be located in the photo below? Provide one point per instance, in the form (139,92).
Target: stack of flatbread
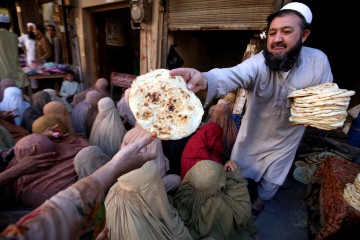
(352,193)
(162,103)
(323,106)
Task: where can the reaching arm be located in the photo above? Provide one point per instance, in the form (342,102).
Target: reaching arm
(126,160)
(72,210)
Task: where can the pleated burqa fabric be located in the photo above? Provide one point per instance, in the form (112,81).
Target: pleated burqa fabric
(108,129)
(215,204)
(137,208)
(34,143)
(124,107)
(58,110)
(88,160)
(90,119)
(171,181)
(35,188)
(42,123)
(79,113)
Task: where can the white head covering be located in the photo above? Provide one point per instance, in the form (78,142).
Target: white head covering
(13,98)
(4,18)
(301,8)
(30,24)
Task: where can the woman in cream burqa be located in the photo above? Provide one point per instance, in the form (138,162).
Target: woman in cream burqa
(137,208)
(214,203)
(88,160)
(108,129)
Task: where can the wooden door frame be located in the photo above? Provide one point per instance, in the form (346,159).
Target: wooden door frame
(88,48)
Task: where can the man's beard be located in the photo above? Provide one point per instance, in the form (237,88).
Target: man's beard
(32,35)
(285,62)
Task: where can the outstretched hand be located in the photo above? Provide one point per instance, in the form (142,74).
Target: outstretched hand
(131,155)
(230,166)
(194,79)
(127,159)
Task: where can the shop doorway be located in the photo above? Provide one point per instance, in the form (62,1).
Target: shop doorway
(116,42)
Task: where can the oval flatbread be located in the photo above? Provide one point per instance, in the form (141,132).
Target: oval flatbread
(162,103)
(318,89)
(342,93)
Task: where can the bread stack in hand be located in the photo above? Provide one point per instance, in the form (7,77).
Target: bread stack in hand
(323,106)
(352,193)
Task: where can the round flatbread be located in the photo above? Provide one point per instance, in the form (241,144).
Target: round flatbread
(162,103)
(318,89)
(352,195)
(342,93)
(323,109)
(324,113)
(324,103)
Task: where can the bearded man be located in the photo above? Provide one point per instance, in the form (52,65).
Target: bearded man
(267,141)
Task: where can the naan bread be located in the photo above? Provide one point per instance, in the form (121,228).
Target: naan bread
(342,93)
(322,103)
(324,113)
(323,106)
(352,193)
(318,89)
(162,103)
(321,124)
(319,109)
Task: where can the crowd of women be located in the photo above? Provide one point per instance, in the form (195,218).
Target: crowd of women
(91,172)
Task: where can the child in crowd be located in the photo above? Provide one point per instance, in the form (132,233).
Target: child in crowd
(69,87)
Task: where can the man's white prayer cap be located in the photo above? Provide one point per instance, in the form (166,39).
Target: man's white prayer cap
(301,8)
(30,24)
